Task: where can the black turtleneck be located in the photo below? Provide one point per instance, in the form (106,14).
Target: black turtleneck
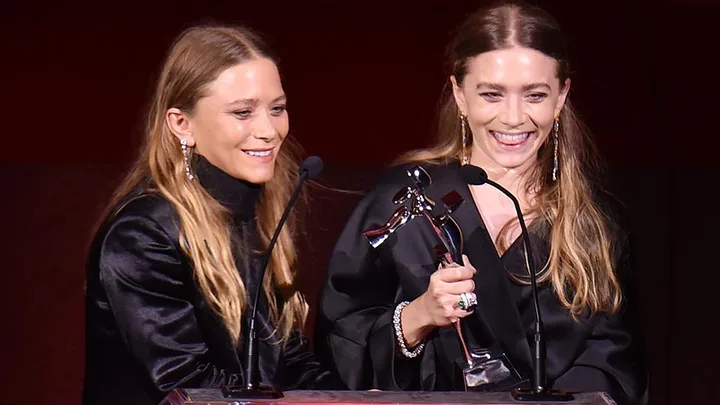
(239,196)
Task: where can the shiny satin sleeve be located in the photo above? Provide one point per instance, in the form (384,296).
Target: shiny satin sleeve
(354,329)
(613,359)
(149,286)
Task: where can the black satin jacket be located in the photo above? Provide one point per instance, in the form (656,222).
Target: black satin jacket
(354,327)
(148,328)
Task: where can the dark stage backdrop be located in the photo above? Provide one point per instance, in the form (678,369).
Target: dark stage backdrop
(363,80)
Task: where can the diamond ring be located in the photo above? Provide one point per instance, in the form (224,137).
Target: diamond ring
(468,301)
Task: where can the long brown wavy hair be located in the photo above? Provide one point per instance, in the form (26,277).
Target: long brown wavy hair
(580,266)
(197,57)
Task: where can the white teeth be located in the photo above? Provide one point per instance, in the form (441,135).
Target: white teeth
(512,137)
(260,153)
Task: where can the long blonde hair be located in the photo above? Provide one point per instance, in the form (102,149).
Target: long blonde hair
(580,266)
(195,60)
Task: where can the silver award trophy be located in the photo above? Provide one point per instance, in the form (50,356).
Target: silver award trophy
(481,370)
(419,205)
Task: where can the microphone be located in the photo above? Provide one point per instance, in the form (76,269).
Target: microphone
(311,167)
(538,391)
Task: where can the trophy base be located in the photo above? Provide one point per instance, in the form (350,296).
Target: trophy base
(531,395)
(487,373)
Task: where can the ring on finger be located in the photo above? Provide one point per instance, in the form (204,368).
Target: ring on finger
(468,301)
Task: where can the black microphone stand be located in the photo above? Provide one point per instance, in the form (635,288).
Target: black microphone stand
(538,390)
(252,388)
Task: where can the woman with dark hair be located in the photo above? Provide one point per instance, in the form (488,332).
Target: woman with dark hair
(387,314)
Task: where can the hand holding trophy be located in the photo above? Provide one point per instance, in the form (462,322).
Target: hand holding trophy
(481,371)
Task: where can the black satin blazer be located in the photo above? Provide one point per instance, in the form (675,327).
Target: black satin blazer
(149,330)
(354,318)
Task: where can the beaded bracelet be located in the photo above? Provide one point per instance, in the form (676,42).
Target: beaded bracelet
(399,335)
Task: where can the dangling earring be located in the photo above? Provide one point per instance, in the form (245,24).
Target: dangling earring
(186,157)
(556,141)
(465,159)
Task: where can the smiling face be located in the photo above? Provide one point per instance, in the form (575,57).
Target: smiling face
(510,98)
(240,123)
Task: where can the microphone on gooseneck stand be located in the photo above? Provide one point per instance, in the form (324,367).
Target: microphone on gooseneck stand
(538,391)
(252,389)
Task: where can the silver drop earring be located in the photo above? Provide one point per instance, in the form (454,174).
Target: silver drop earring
(186,157)
(556,139)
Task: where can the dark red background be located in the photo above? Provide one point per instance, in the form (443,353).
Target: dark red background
(363,80)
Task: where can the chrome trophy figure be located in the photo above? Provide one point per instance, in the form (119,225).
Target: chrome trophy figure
(419,205)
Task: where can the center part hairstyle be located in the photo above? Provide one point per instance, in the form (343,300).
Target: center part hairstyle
(580,266)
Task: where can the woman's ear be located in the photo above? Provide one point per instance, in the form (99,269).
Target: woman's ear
(459,96)
(562,97)
(180,125)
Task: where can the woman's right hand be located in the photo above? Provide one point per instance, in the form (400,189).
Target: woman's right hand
(438,306)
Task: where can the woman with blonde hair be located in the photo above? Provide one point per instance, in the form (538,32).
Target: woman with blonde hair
(176,260)
(387,314)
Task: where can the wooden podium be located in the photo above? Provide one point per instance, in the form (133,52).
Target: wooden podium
(215,397)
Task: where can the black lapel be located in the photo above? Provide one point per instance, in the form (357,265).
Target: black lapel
(497,312)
